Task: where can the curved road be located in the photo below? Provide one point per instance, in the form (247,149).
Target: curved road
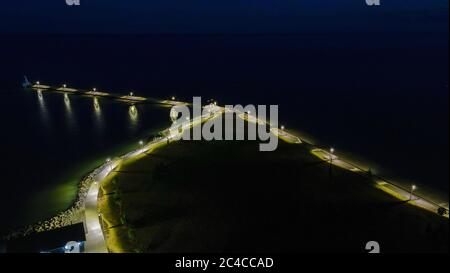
(95,240)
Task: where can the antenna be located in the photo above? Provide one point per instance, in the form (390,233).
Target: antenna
(26,83)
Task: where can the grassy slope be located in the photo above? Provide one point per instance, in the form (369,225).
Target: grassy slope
(228,196)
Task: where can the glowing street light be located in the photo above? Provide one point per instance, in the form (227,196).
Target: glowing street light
(131,93)
(94,89)
(331,163)
(413,187)
(109,165)
(173,98)
(38,83)
(141,143)
(64,85)
(282,127)
(331,155)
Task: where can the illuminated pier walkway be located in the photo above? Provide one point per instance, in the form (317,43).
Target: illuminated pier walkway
(130,98)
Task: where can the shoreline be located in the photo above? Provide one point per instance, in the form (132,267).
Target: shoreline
(75,213)
(72,215)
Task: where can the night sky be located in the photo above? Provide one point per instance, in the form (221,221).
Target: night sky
(220,16)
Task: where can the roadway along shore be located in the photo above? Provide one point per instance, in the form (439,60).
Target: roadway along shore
(95,236)
(95,239)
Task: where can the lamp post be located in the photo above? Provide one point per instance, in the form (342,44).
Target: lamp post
(413,187)
(331,163)
(108,161)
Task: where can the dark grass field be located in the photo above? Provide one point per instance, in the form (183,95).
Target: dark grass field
(227,196)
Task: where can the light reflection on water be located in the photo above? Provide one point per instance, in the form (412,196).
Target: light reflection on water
(43,109)
(65,137)
(99,123)
(134,117)
(71,122)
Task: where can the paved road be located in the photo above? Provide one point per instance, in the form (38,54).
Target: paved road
(390,188)
(95,239)
(382,184)
(95,242)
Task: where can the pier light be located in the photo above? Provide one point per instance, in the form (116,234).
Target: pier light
(38,83)
(64,85)
(131,93)
(331,150)
(108,159)
(141,142)
(413,187)
(95,89)
(282,127)
(173,98)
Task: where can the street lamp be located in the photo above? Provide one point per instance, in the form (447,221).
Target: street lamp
(38,83)
(331,154)
(131,93)
(173,98)
(64,85)
(95,89)
(282,127)
(141,143)
(331,162)
(413,187)
(110,167)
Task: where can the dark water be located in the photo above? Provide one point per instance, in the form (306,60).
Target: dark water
(49,143)
(373,84)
